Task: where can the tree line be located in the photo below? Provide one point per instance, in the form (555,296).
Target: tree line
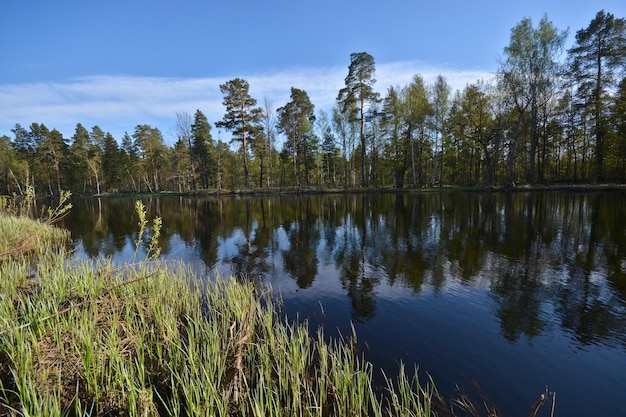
(548,116)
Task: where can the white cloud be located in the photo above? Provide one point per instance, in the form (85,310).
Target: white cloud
(119,103)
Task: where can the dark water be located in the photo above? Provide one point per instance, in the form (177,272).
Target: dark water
(502,294)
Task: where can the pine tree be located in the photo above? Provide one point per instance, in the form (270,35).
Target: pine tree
(242,118)
(595,59)
(295,120)
(357,94)
(201,148)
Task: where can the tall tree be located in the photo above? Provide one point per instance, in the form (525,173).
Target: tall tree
(8,163)
(96,147)
(295,120)
(242,117)
(527,74)
(596,57)
(477,128)
(152,150)
(440,103)
(417,111)
(357,94)
(130,162)
(111,162)
(79,159)
(25,148)
(341,125)
(618,119)
(328,166)
(263,145)
(184,147)
(51,152)
(202,145)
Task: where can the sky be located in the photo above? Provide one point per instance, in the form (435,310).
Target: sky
(120,63)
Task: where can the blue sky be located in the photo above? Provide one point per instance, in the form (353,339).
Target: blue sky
(119,63)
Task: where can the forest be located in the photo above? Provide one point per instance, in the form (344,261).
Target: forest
(550,115)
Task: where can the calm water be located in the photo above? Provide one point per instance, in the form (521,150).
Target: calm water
(509,294)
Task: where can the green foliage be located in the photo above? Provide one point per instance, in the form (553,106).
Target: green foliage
(153,251)
(91,338)
(152,153)
(527,76)
(597,57)
(242,118)
(203,149)
(24,237)
(358,92)
(550,118)
(54,214)
(295,120)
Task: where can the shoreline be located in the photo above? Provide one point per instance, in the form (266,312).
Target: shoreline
(258,192)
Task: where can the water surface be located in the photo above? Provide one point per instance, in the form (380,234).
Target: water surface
(500,293)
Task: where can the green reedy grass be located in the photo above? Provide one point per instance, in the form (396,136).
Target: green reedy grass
(22,237)
(87,338)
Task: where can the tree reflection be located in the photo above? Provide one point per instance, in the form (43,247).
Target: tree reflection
(300,259)
(546,258)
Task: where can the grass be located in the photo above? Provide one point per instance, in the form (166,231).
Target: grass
(21,236)
(87,338)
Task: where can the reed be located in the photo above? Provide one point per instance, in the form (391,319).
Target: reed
(23,237)
(88,338)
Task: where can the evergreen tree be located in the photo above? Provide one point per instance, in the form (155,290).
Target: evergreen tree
(295,120)
(8,164)
(130,163)
(357,94)
(52,152)
(79,159)
(597,56)
(96,146)
(618,120)
(202,148)
(25,150)
(242,117)
(111,162)
(152,152)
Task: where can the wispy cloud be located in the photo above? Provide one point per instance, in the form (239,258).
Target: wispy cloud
(118,103)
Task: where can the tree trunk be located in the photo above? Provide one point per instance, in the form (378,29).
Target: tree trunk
(534,139)
(363,178)
(510,160)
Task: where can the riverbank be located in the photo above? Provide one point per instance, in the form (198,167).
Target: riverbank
(83,337)
(272,191)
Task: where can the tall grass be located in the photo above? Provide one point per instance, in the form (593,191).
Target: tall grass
(87,338)
(90,339)
(22,237)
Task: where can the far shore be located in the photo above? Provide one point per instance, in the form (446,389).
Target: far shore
(269,191)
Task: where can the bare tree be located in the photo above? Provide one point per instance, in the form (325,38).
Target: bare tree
(183,133)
